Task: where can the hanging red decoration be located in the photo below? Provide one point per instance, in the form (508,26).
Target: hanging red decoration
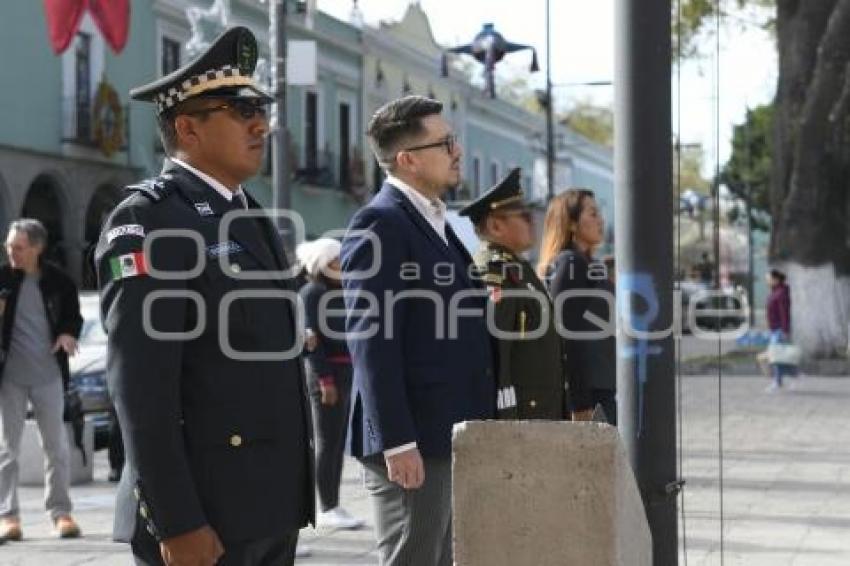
(112,18)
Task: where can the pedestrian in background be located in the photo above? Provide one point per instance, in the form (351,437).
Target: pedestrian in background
(779,322)
(531,379)
(328,373)
(412,384)
(41,324)
(572,231)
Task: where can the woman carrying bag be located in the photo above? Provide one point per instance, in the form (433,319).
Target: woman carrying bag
(782,355)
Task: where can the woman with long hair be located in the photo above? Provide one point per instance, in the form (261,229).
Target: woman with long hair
(572,232)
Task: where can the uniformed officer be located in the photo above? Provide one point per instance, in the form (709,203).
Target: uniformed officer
(531,377)
(201,327)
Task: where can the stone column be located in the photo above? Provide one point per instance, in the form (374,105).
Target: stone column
(541,493)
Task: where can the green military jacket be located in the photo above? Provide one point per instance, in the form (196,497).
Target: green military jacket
(531,377)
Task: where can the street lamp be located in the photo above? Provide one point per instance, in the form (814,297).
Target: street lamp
(544,98)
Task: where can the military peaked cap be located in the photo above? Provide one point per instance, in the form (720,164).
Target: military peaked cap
(506,194)
(224,70)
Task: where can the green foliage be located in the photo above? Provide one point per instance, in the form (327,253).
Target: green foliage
(596,123)
(516,91)
(693,19)
(687,170)
(747,173)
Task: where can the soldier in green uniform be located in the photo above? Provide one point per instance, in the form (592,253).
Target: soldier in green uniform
(531,379)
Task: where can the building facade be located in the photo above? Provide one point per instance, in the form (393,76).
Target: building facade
(71,139)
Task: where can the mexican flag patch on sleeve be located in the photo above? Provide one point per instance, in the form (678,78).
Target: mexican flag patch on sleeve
(128,265)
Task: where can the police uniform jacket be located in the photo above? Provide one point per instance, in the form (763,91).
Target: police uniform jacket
(531,373)
(215,424)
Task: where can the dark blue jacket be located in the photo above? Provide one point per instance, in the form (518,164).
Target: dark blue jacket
(413,380)
(212,437)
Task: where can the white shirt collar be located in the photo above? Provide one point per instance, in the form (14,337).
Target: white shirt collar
(434,210)
(215,184)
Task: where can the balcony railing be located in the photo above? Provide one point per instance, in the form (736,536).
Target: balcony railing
(78,125)
(329,170)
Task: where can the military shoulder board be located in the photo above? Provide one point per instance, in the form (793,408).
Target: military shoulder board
(155,189)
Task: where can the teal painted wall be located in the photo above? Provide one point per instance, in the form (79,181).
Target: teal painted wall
(137,65)
(490,146)
(32,79)
(31,103)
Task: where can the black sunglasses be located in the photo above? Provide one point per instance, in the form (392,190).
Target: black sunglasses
(448,142)
(244,109)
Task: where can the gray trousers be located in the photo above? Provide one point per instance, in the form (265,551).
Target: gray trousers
(413,526)
(48,403)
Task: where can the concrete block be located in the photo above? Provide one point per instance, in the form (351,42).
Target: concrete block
(543,493)
(31,457)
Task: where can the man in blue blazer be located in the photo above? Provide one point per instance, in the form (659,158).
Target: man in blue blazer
(416,329)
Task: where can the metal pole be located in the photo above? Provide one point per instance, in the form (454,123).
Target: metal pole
(550,120)
(751,286)
(281,198)
(646,387)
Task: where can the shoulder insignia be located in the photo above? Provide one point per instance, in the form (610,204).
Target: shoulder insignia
(499,255)
(155,189)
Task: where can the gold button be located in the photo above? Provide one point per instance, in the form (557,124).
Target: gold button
(533,403)
(236,441)
(143,511)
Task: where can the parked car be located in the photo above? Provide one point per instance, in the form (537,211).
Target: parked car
(88,369)
(729,304)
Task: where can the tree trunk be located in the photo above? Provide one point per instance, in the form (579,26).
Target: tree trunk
(811,168)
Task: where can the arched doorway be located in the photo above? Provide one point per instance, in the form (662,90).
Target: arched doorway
(104,199)
(44,202)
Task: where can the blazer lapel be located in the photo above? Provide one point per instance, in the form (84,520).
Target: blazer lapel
(417,217)
(247,232)
(209,203)
(461,250)
(271,234)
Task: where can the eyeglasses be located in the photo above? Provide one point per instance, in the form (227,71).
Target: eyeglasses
(448,142)
(244,109)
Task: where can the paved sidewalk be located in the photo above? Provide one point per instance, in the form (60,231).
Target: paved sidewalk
(786,472)
(786,487)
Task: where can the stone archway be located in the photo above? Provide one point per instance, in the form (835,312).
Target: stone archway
(44,202)
(104,199)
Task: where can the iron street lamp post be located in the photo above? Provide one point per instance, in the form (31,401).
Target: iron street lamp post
(281,198)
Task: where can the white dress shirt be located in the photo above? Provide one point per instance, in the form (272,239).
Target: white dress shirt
(434,210)
(214,183)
